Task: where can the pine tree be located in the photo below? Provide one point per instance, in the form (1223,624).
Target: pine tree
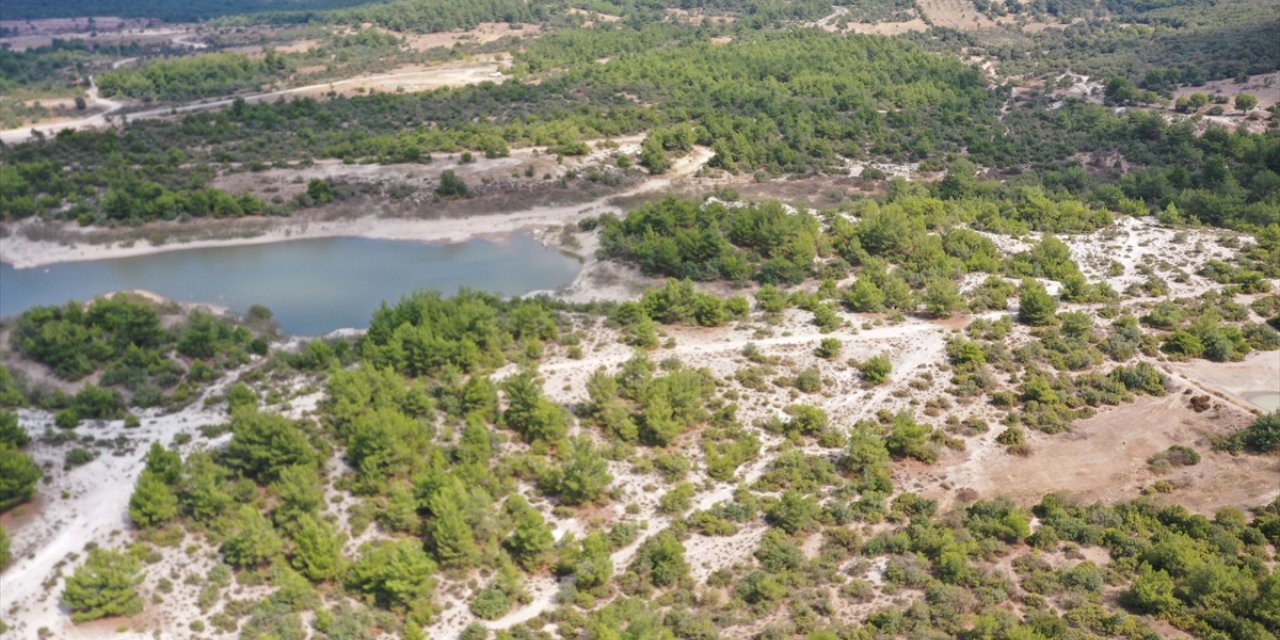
(254,543)
(532,538)
(11,433)
(591,563)
(586,476)
(661,560)
(659,426)
(300,493)
(864,296)
(451,537)
(941,298)
(205,496)
(395,575)
(1035,306)
(153,503)
(317,551)
(536,418)
(452,186)
(265,443)
(164,464)
(18,476)
(868,460)
(105,585)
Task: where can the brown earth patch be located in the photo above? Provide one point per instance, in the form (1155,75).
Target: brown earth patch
(1264,86)
(1104,458)
(484,33)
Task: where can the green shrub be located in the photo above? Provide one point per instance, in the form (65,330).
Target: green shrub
(809,380)
(67,419)
(1260,437)
(829,348)
(452,186)
(876,369)
(1035,306)
(491,603)
(76,457)
(5,556)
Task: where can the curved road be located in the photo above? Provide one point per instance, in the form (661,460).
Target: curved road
(449,76)
(97,120)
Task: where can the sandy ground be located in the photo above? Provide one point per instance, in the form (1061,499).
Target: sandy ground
(1104,458)
(86,504)
(888,28)
(90,504)
(1235,382)
(1036,27)
(70,25)
(97,114)
(28,254)
(1101,458)
(1107,454)
(955,14)
(483,33)
(963,15)
(414,78)
(1174,254)
(831,23)
(1265,87)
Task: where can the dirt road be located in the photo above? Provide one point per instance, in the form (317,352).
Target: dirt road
(410,80)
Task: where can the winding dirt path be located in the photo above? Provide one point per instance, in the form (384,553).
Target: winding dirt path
(419,79)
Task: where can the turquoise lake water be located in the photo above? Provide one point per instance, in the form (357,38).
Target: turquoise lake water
(313,286)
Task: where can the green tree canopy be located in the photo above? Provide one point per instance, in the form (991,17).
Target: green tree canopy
(1035,306)
(105,585)
(263,444)
(18,476)
(153,502)
(317,548)
(585,476)
(395,575)
(254,541)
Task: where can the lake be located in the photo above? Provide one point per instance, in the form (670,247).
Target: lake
(313,286)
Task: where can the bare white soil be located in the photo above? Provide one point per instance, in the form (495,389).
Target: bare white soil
(88,504)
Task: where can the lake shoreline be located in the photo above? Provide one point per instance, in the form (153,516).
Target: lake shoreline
(72,243)
(25,253)
(313,285)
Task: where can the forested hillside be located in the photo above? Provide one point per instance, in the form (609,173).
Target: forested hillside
(1158,45)
(779,102)
(893,319)
(170,10)
(447,471)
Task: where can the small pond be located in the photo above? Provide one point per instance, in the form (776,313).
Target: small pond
(1265,400)
(313,286)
